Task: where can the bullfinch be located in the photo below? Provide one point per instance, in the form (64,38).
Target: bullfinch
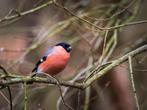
(54,59)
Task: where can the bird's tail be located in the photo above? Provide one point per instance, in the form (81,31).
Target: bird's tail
(34,74)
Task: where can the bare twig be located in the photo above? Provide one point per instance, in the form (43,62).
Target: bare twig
(60,90)
(88,89)
(98,27)
(117,13)
(25,96)
(133,83)
(21,14)
(81,73)
(104,51)
(2,94)
(113,47)
(82,19)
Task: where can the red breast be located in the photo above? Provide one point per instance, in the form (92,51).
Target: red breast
(56,61)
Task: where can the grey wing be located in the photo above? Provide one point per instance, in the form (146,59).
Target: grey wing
(42,59)
(49,50)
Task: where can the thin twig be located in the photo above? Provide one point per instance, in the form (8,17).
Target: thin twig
(98,27)
(87,98)
(2,94)
(117,13)
(133,83)
(82,19)
(88,89)
(81,73)
(104,47)
(20,14)
(113,47)
(25,96)
(60,90)
(125,25)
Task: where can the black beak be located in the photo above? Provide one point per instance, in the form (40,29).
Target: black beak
(69,49)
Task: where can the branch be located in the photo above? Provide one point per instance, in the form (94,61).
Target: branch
(98,74)
(95,75)
(99,27)
(30,80)
(21,14)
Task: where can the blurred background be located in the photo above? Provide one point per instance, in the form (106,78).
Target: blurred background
(24,39)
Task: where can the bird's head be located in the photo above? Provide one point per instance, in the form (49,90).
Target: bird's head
(66,46)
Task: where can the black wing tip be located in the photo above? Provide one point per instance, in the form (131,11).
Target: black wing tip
(34,70)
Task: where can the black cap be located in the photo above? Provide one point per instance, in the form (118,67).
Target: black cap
(66,46)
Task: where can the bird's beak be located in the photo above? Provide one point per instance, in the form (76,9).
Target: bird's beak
(69,48)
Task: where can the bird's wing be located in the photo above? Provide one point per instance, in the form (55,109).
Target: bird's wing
(49,50)
(42,59)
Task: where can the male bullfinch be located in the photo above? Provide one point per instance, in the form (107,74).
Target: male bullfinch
(54,60)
